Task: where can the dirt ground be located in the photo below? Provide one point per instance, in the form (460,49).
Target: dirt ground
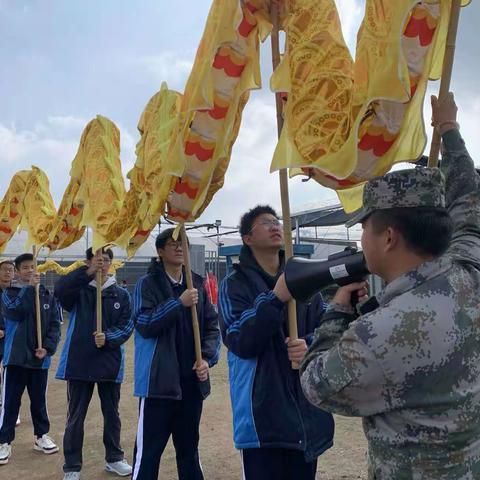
(220,461)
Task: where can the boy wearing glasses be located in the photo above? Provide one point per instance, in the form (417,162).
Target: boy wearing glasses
(90,357)
(277,431)
(170,384)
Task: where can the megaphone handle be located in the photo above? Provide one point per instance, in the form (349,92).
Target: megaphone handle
(354,299)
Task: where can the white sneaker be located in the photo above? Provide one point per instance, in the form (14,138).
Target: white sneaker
(18,422)
(45,444)
(71,476)
(5,452)
(121,468)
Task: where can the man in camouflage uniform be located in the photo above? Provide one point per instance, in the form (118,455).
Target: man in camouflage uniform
(411,367)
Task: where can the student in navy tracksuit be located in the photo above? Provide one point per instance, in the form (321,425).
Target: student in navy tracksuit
(90,357)
(7,271)
(25,363)
(170,385)
(278,432)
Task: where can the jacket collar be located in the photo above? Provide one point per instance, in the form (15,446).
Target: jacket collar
(249,262)
(414,278)
(173,281)
(157,269)
(108,283)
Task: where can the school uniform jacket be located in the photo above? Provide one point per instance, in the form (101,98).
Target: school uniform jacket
(156,314)
(269,408)
(80,358)
(2,327)
(19,317)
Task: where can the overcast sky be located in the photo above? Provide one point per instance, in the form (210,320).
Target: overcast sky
(65,61)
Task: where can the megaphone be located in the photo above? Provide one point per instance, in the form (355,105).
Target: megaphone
(304,277)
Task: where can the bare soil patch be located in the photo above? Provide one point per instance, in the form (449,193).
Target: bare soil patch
(220,460)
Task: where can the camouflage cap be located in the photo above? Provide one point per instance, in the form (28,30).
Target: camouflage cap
(417,187)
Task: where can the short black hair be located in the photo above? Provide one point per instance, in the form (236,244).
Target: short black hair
(7,262)
(165,236)
(426,230)
(89,253)
(247,219)
(24,257)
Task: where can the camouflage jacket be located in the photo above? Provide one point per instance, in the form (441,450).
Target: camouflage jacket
(411,368)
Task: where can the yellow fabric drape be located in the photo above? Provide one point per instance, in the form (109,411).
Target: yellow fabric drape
(52,266)
(95,196)
(226,68)
(39,209)
(96,189)
(11,207)
(150,183)
(347,122)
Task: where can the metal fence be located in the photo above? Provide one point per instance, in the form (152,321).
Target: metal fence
(216,264)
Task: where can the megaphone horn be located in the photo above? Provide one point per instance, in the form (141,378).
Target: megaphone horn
(304,277)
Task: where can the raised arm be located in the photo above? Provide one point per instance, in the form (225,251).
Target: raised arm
(68,287)
(462,183)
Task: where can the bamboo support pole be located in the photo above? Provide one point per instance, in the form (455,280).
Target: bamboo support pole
(283,174)
(38,316)
(188,277)
(446,75)
(98,281)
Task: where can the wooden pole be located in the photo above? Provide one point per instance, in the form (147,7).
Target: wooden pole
(99,282)
(287,223)
(188,276)
(446,75)
(38,316)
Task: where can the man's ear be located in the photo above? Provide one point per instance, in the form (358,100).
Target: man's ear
(391,239)
(247,239)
